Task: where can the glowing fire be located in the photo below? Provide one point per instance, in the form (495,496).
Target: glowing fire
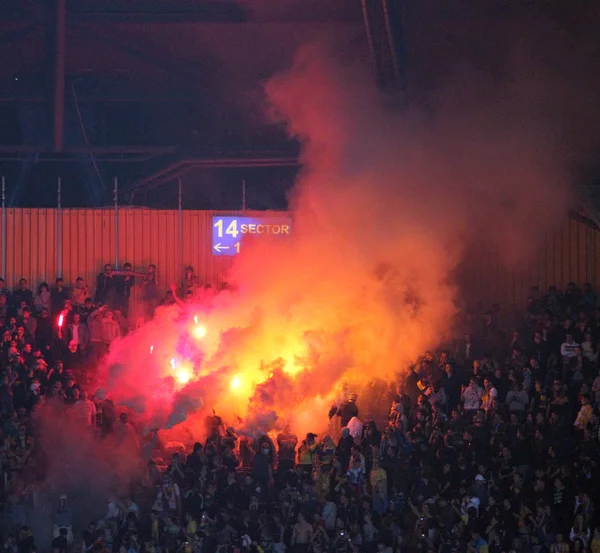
(236,382)
(151,350)
(183,375)
(200,331)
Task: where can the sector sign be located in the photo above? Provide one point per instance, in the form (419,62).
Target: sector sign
(228,232)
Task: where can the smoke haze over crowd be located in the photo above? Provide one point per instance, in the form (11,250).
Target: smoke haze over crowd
(389,201)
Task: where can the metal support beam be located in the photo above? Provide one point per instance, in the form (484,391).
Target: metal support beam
(177,170)
(170,11)
(391,40)
(95,150)
(116,199)
(180,221)
(103,98)
(383,29)
(59,75)
(211,11)
(59,226)
(3,253)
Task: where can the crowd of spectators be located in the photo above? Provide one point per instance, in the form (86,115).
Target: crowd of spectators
(491,444)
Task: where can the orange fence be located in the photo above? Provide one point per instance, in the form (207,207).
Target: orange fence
(88,240)
(570,253)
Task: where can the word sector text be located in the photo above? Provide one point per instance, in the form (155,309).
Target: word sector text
(227,232)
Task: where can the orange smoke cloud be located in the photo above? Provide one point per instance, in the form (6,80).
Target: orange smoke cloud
(384,208)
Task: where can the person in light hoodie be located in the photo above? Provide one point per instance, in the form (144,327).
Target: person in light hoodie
(471,397)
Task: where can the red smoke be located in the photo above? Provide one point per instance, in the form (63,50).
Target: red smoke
(386,206)
(384,209)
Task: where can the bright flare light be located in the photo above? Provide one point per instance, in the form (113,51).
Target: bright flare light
(151,350)
(173,363)
(183,375)
(200,331)
(236,382)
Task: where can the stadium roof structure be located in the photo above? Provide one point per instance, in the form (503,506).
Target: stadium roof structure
(161,86)
(154,89)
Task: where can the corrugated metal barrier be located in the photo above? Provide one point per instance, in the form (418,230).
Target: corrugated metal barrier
(88,242)
(151,236)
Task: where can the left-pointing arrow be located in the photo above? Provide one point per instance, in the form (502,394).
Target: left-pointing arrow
(218,247)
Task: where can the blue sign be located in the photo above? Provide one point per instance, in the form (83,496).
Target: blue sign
(228,232)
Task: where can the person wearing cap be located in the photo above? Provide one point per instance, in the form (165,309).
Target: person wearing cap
(348,410)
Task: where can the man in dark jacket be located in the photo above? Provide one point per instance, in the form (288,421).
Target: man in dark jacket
(106,287)
(348,410)
(22,294)
(59,296)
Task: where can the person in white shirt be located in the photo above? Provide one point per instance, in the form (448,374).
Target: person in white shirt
(568,347)
(84,410)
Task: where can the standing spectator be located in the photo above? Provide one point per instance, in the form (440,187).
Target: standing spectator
(80,293)
(45,331)
(125,284)
(517,400)
(121,321)
(104,330)
(306,453)
(110,328)
(262,468)
(5,292)
(77,332)
(568,347)
(585,413)
(348,410)
(190,282)
(88,308)
(22,295)
(106,287)
(4,309)
(59,295)
(286,442)
(43,299)
(30,325)
(489,396)
(466,351)
(471,396)
(452,386)
(150,291)
(84,410)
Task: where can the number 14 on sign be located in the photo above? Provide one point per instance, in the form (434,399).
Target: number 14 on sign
(231,230)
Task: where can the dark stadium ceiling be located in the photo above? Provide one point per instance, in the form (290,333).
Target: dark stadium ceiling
(165,86)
